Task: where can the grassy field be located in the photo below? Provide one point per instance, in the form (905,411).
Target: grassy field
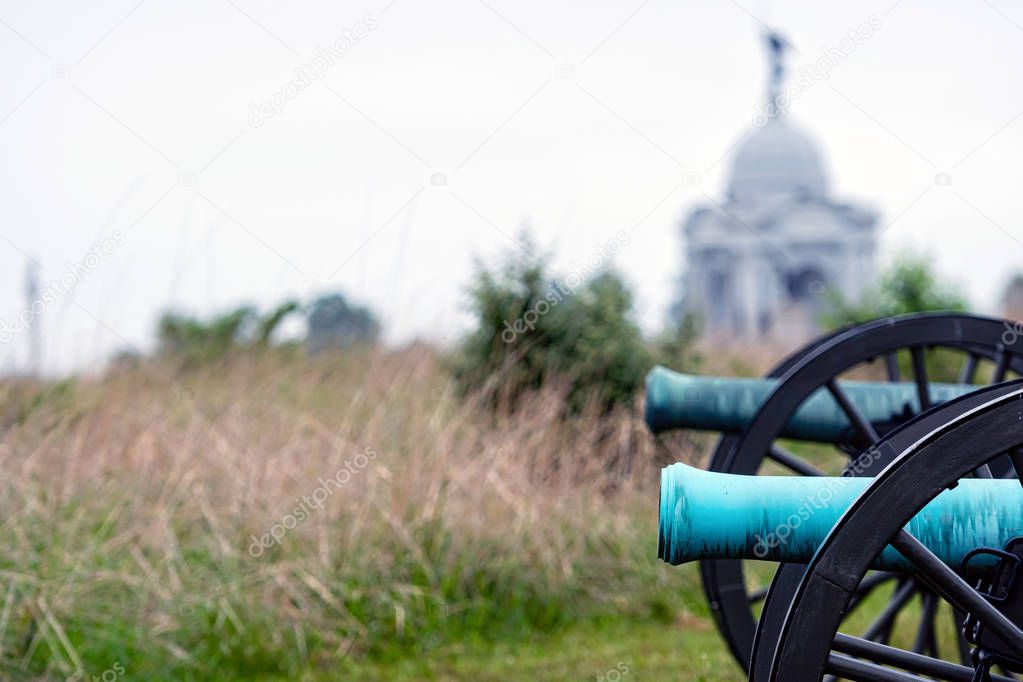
(688,650)
(277,517)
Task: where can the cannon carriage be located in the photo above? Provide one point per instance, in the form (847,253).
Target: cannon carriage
(942,605)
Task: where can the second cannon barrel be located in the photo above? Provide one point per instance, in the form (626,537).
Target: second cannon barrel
(675,400)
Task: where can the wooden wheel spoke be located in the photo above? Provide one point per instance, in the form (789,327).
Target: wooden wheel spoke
(1001,366)
(876,654)
(983,471)
(969,369)
(964,647)
(868,585)
(923,393)
(926,641)
(1016,457)
(863,427)
(891,363)
(957,591)
(790,461)
(854,669)
(881,628)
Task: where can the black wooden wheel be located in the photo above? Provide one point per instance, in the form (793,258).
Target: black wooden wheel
(800,637)
(976,340)
(787,578)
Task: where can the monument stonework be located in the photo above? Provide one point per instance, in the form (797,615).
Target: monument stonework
(760,261)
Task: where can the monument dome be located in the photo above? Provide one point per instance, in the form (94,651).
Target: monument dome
(761,260)
(777,158)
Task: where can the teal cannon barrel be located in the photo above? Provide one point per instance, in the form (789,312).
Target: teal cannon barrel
(676,400)
(707,515)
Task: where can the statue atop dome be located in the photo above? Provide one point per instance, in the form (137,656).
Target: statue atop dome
(776,46)
(760,261)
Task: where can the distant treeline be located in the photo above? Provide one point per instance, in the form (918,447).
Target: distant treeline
(533,328)
(331,322)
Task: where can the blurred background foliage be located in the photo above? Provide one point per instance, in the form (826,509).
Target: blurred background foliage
(533,328)
(332,322)
(909,285)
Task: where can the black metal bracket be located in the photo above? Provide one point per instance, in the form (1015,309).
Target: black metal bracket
(999,584)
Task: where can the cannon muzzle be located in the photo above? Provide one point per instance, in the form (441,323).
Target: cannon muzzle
(676,400)
(708,515)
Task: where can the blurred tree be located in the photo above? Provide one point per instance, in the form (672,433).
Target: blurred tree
(908,286)
(195,341)
(531,328)
(269,323)
(335,323)
(600,347)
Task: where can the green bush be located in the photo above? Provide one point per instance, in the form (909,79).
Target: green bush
(908,286)
(195,342)
(532,329)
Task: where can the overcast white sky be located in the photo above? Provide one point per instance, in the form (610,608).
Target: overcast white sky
(108,113)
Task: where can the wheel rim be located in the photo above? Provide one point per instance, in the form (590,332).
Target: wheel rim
(977,338)
(969,435)
(788,576)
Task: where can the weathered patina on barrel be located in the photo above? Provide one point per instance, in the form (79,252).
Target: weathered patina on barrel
(675,400)
(708,515)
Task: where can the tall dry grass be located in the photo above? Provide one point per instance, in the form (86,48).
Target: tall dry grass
(129,504)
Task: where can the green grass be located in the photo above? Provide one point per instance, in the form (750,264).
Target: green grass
(467,548)
(689,650)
